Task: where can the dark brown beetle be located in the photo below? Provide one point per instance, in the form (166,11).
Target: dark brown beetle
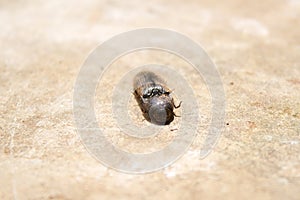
(154,98)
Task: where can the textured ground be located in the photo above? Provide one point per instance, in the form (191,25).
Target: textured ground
(256,47)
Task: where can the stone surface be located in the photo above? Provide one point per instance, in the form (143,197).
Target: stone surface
(255,45)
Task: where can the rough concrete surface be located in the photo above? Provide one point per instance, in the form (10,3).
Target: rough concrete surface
(256,47)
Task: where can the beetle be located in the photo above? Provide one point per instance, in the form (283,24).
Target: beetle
(153,98)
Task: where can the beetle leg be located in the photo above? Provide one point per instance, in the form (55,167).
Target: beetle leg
(178,105)
(176,115)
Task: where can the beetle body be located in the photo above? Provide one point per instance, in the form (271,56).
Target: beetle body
(154,99)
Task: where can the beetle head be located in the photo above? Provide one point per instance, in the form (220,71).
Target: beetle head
(161,110)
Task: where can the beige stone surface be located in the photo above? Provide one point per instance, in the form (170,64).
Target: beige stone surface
(256,47)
